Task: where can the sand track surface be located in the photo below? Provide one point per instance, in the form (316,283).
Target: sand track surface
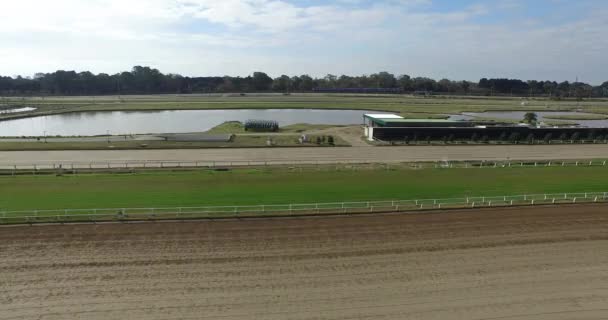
(82,158)
(518,263)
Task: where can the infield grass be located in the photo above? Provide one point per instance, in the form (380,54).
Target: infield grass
(284,185)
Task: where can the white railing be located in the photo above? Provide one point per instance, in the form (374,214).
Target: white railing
(122,214)
(156,164)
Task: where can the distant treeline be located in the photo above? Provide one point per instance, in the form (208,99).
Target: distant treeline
(145,80)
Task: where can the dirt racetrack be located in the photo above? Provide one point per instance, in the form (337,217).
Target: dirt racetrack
(518,263)
(309,155)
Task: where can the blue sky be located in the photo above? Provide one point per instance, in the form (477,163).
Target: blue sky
(457,39)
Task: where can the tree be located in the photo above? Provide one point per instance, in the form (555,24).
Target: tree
(330,140)
(261,81)
(405,82)
(530,118)
(306,83)
(547,138)
(282,84)
(575,137)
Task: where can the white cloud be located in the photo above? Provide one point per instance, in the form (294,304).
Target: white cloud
(198,37)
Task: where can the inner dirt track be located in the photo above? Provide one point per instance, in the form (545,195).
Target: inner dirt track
(510,263)
(312,155)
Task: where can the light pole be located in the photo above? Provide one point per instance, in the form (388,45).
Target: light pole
(108,134)
(45,136)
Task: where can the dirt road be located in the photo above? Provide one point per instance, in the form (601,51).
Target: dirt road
(286,155)
(532,263)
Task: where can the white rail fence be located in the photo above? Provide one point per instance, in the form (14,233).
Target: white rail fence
(151,164)
(125,214)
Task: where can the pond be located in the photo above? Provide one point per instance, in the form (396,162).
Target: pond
(173,121)
(519,115)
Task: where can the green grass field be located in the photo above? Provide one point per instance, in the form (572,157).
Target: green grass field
(577,117)
(279,186)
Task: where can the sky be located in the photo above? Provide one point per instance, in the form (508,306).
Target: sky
(455,39)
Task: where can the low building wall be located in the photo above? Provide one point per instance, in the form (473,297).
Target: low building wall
(489,133)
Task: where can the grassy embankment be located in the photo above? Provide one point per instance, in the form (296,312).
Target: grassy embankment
(281,185)
(515,121)
(239,141)
(577,117)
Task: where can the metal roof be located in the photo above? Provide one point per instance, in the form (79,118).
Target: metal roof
(382,116)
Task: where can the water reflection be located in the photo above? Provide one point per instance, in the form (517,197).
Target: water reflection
(174,121)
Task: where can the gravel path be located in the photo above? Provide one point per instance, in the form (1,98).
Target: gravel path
(312,155)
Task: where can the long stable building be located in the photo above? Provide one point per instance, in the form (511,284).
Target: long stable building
(391,127)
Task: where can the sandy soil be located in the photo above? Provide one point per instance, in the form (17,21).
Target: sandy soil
(532,263)
(287,155)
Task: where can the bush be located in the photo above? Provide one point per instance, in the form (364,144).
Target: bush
(318,140)
(330,140)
